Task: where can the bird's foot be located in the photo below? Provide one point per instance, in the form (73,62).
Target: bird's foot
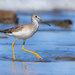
(37,55)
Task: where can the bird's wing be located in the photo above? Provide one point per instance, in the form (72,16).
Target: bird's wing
(13,29)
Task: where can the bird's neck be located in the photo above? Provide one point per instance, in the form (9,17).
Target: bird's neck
(35,25)
(35,22)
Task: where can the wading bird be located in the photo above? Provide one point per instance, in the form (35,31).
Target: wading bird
(24,32)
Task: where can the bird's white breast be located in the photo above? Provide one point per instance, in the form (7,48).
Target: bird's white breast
(24,33)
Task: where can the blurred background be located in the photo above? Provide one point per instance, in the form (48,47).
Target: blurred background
(37,5)
(55,44)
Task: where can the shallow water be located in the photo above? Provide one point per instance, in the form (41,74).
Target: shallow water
(54,44)
(37,68)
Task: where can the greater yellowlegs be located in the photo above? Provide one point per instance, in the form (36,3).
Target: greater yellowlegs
(24,32)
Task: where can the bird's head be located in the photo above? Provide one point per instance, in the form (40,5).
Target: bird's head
(37,18)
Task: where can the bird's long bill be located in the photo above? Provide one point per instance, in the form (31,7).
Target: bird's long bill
(44,22)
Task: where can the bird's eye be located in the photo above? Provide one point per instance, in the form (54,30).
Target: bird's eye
(36,16)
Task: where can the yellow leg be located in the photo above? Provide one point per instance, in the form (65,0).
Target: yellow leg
(31,51)
(13,49)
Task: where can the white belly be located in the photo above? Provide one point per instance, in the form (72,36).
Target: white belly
(23,34)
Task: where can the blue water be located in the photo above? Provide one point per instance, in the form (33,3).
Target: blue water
(50,42)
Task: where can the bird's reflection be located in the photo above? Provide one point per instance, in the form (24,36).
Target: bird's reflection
(24,67)
(13,65)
